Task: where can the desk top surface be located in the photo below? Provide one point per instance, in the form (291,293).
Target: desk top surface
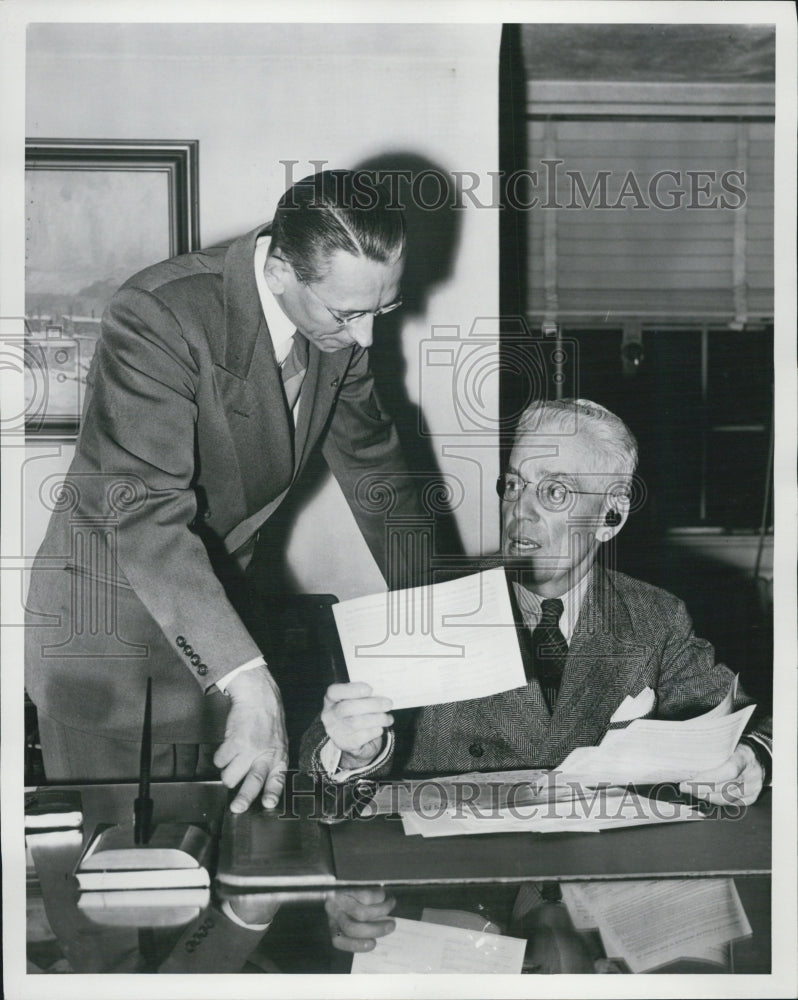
(505,878)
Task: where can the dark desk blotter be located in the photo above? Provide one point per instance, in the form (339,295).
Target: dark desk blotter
(377,850)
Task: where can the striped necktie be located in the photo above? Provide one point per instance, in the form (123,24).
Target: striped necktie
(293,369)
(549,649)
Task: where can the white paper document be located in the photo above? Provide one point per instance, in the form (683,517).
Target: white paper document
(655,750)
(417,946)
(426,645)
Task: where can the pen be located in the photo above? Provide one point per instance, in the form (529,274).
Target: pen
(142,807)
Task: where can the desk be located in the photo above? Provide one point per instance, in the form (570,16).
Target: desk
(484,881)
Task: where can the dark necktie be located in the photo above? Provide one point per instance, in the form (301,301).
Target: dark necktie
(293,369)
(549,649)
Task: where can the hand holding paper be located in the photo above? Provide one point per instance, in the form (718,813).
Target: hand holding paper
(355,722)
(738,780)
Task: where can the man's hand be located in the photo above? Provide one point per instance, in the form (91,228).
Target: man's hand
(738,780)
(357,917)
(355,722)
(255,747)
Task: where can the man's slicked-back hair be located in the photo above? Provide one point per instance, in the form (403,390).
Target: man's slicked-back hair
(610,434)
(336,210)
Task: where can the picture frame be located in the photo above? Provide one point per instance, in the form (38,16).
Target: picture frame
(97,211)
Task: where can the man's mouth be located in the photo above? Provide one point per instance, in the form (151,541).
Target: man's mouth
(520,543)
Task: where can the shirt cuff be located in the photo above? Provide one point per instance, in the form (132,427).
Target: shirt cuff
(229,912)
(763,751)
(222,683)
(330,758)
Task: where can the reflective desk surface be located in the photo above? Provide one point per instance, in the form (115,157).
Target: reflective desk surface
(576,916)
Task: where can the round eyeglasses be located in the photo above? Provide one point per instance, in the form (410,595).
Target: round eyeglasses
(553,494)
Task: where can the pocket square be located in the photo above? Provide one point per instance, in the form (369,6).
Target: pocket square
(635,708)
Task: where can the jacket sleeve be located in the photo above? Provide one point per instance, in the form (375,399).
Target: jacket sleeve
(139,429)
(363,452)
(691,682)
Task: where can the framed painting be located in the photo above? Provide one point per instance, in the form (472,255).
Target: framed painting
(97,211)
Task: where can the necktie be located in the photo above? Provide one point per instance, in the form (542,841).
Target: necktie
(549,649)
(293,369)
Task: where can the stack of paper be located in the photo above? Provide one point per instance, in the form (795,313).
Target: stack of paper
(517,801)
(648,751)
(650,923)
(608,808)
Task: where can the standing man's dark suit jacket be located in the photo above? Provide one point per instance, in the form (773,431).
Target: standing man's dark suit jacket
(629,636)
(185,434)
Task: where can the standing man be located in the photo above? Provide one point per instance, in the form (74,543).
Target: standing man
(215,375)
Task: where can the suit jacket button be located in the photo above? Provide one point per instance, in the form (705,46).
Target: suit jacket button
(202,670)
(334,384)
(476,749)
(207,515)
(181,641)
(195,659)
(188,650)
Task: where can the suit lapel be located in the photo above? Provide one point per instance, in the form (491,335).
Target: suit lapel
(248,380)
(602,652)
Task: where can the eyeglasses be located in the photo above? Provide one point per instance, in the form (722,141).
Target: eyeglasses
(351,317)
(553,494)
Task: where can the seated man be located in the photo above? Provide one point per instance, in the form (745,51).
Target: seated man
(590,636)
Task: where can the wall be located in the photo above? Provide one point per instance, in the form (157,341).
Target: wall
(256,94)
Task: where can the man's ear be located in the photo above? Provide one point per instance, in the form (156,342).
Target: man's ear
(278,272)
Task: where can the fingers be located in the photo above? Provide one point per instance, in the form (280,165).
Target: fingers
(353,718)
(273,787)
(737,781)
(353,935)
(343,692)
(250,787)
(358,918)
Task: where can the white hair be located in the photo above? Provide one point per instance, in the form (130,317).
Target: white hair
(570,416)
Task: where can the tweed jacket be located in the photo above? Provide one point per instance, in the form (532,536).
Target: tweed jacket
(629,636)
(185,435)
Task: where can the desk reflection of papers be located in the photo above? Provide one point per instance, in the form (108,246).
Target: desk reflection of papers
(651,923)
(424,946)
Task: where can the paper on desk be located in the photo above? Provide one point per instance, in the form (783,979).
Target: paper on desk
(651,922)
(652,750)
(416,946)
(426,645)
(611,809)
(479,790)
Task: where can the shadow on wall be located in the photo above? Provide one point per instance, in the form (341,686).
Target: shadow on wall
(427,194)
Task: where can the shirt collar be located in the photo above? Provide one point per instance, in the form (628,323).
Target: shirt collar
(281,329)
(529,605)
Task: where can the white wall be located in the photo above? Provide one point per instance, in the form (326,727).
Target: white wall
(256,94)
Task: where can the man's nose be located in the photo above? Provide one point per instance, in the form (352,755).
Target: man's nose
(361,331)
(528,505)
